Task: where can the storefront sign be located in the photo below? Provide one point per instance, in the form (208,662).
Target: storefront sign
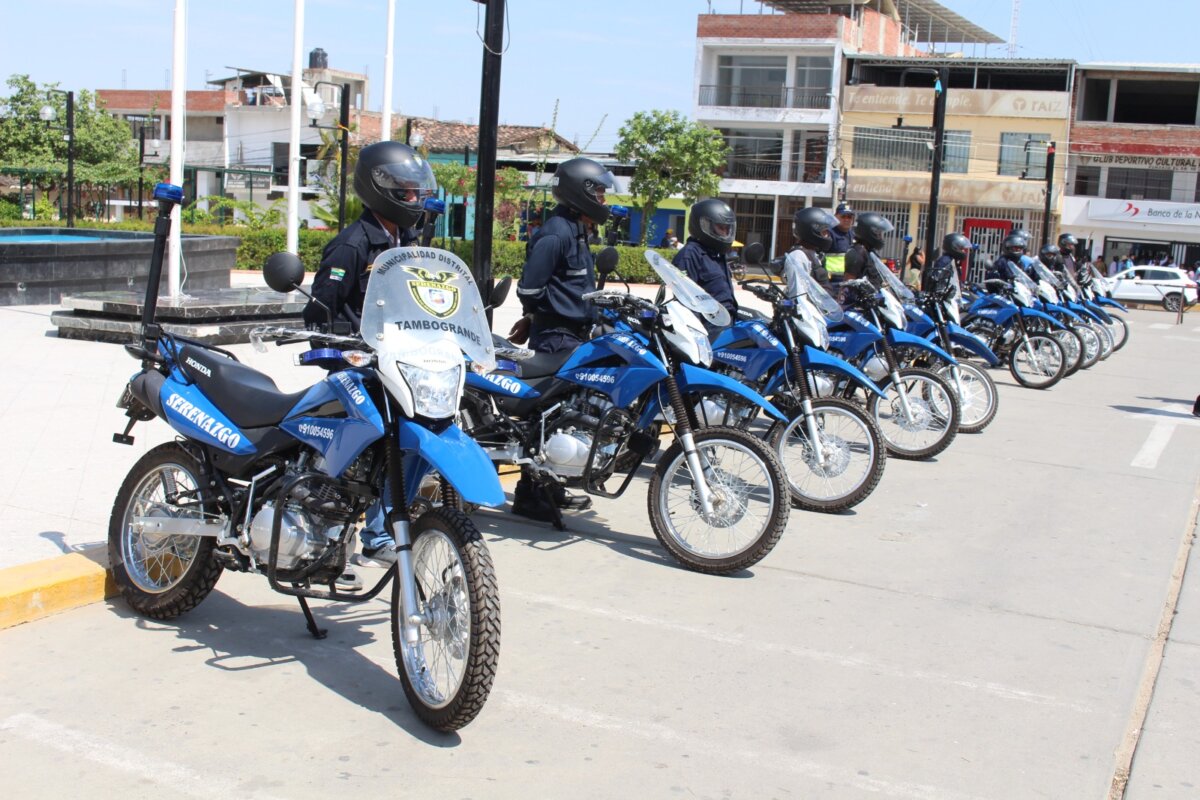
(895,100)
(1007,194)
(1121,160)
(1146,212)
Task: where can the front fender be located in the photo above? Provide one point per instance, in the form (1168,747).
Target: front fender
(964,338)
(692,379)
(456,457)
(813,358)
(1099,312)
(899,337)
(1083,310)
(1066,312)
(1108,301)
(1033,312)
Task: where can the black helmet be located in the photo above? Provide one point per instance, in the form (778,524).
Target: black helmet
(1015,243)
(1067,243)
(956,245)
(393,180)
(580,184)
(1050,255)
(810,227)
(713,224)
(870,228)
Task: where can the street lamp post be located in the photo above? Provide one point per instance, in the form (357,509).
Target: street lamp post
(48,115)
(315,112)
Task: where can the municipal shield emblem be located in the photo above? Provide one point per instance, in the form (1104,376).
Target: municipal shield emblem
(438,299)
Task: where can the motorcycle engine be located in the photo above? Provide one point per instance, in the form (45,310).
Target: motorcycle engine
(301,535)
(876,368)
(570,430)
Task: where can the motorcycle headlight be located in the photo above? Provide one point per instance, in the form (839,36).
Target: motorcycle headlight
(435,392)
(703,347)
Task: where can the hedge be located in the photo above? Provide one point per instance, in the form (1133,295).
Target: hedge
(256,245)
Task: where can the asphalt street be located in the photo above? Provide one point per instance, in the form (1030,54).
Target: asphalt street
(983,626)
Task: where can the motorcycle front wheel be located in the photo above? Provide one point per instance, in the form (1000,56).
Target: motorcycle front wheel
(1119,331)
(1107,344)
(1072,347)
(1037,362)
(749,507)
(932,419)
(161,575)
(978,400)
(852,456)
(1091,345)
(447,672)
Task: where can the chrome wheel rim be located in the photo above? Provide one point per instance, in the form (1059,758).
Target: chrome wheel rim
(743,500)
(975,399)
(1038,360)
(157,562)
(847,448)
(437,662)
(930,405)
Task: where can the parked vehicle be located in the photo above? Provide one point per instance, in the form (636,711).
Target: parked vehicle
(717,499)
(274,483)
(998,315)
(1168,286)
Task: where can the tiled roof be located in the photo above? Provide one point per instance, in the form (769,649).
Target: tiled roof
(452,137)
(202,102)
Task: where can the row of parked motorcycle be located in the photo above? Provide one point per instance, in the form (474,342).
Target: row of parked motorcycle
(798,408)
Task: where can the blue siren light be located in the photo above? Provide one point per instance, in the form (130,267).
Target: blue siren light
(169,192)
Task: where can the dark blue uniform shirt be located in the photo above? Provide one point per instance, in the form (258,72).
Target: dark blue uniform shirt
(559,270)
(841,241)
(341,279)
(709,269)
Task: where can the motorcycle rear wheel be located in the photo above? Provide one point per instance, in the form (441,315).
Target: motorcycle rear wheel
(1038,362)
(853,455)
(751,508)
(935,412)
(978,408)
(447,675)
(161,575)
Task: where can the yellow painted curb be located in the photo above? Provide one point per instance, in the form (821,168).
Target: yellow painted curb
(36,590)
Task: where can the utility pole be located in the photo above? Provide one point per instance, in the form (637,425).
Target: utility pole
(1049,192)
(141,165)
(939,154)
(489,117)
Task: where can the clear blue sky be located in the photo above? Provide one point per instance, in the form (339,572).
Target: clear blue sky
(612,57)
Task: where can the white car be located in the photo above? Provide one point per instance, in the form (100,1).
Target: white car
(1151,284)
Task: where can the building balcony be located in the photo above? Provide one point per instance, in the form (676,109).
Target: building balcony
(765,97)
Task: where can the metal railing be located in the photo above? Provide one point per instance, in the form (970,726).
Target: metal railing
(753,169)
(765,97)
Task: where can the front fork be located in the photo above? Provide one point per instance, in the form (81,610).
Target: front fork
(955,372)
(894,373)
(400,524)
(683,429)
(806,406)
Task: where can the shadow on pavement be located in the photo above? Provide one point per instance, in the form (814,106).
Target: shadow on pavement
(240,637)
(1155,412)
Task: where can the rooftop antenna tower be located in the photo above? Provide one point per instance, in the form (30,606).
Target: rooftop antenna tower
(1012,29)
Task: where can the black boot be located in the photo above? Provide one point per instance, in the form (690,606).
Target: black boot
(1196,407)
(567,501)
(530,500)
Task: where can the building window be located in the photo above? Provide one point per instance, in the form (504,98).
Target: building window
(748,81)
(908,150)
(1087,181)
(755,218)
(814,82)
(1023,155)
(754,155)
(1156,102)
(809,152)
(279,162)
(1095,100)
(1138,184)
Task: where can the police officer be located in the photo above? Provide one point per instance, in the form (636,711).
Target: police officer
(955,249)
(843,239)
(812,235)
(1051,256)
(711,227)
(1067,243)
(393,181)
(559,268)
(1012,251)
(869,232)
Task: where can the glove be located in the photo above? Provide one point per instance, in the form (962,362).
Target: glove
(520,331)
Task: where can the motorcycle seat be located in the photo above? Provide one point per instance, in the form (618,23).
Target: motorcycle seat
(248,397)
(543,364)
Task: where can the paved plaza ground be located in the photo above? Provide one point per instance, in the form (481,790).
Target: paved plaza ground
(983,626)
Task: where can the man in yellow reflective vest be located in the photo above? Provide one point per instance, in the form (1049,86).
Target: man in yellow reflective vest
(843,238)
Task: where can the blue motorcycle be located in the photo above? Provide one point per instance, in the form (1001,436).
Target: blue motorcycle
(1087,341)
(937,317)
(1093,291)
(919,412)
(275,483)
(998,315)
(831,450)
(717,498)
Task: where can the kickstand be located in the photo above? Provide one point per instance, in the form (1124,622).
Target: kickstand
(548,495)
(317,633)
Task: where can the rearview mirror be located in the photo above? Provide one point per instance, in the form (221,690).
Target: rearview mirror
(754,253)
(500,292)
(662,295)
(284,272)
(606,262)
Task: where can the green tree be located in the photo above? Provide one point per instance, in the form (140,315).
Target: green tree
(671,155)
(105,155)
